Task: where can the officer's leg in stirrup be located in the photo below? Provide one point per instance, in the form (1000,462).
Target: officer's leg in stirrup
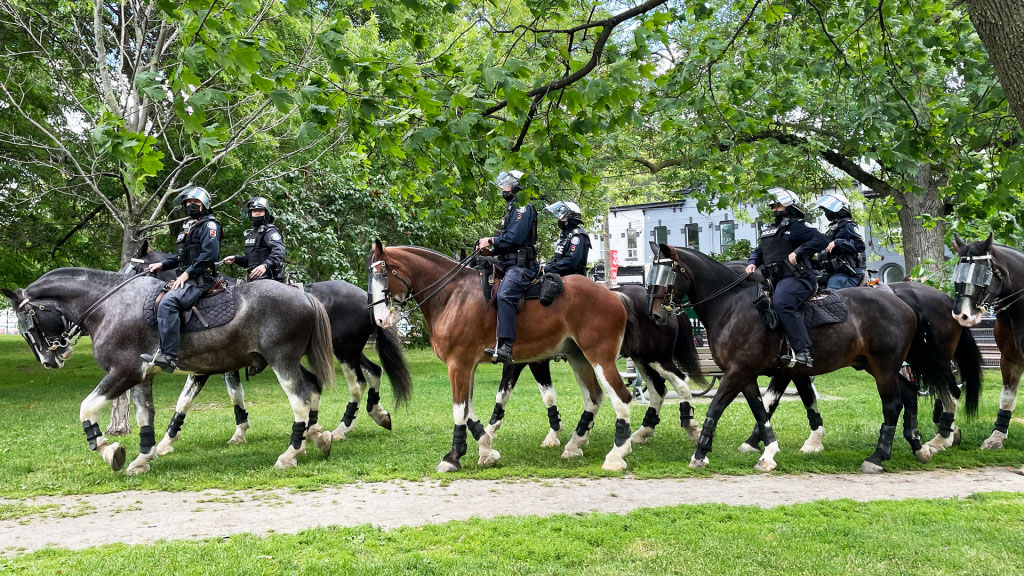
(169,326)
(789,295)
(512,288)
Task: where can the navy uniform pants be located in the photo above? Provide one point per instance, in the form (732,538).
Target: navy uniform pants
(790,293)
(837,280)
(168,316)
(512,288)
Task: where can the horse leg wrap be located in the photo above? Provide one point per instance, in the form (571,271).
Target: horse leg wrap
(622,432)
(913,436)
(766,432)
(147,439)
(459,440)
(554,420)
(298,430)
(885,437)
(314,415)
(372,399)
(651,418)
(476,429)
(350,413)
(498,414)
(92,432)
(946,424)
(814,419)
(1003,420)
(175,426)
(936,412)
(241,416)
(586,420)
(707,436)
(685,414)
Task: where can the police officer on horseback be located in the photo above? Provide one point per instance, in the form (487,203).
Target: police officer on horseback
(198,252)
(264,246)
(573,242)
(843,259)
(785,251)
(515,245)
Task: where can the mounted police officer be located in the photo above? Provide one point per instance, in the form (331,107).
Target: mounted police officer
(843,259)
(198,252)
(264,246)
(573,243)
(785,251)
(515,245)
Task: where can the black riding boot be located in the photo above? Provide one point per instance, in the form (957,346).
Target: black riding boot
(502,353)
(803,357)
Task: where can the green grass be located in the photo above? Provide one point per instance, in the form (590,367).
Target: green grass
(43,450)
(977,535)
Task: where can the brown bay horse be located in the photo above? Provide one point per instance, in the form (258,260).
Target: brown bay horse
(587,323)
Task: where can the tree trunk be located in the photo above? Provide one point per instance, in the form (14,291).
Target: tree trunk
(120,424)
(920,243)
(1000,25)
(129,243)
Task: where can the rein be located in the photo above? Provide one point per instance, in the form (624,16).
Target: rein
(683,307)
(442,281)
(74,329)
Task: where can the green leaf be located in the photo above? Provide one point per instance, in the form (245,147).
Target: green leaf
(283,100)
(308,132)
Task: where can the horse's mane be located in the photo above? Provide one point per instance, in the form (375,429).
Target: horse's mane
(90,275)
(708,260)
(453,262)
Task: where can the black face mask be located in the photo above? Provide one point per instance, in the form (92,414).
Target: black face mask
(830,215)
(510,195)
(779,216)
(258,221)
(564,224)
(194,210)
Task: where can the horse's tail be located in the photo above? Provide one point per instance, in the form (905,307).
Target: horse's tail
(928,359)
(968,358)
(685,352)
(319,350)
(629,338)
(389,348)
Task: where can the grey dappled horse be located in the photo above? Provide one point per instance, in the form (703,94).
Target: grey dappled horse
(274,325)
(351,327)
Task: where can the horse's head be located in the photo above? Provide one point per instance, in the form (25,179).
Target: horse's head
(382,299)
(44,326)
(978,279)
(666,283)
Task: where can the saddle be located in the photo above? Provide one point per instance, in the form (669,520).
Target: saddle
(215,307)
(544,288)
(824,307)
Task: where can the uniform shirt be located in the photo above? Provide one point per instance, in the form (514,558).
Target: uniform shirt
(844,233)
(802,237)
(570,253)
(518,228)
(205,233)
(265,246)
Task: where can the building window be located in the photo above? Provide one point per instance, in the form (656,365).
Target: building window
(661,235)
(728,228)
(693,236)
(631,245)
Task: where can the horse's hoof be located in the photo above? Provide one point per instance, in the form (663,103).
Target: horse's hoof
(283,462)
(238,438)
(342,431)
(765,465)
(957,437)
(551,440)
(384,421)
(1021,471)
(322,440)
(446,466)
(747,448)
(489,459)
(994,442)
(614,463)
(570,453)
(114,456)
(642,435)
(871,468)
(165,447)
(138,466)
(702,463)
(924,455)
(811,448)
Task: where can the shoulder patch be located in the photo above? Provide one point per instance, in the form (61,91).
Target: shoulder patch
(211,225)
(213,231)
(276,237)
(575,240)
(521,210)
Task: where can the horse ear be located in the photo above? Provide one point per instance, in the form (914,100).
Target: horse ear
(377,248)
(655,248)
(462,254)
(667,251)
(988,243)
(958,243)
(11,295)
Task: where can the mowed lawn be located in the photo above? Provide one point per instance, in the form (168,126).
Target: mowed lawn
(43,449)
(978,535)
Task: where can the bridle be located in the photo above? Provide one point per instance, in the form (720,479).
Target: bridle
(72,330)
(434,287)
(977,273)
(661,278)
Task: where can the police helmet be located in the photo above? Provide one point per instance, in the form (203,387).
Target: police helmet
(565,210)
(196,192)
(259,203)
(510,179)
(787,198)
(834,202)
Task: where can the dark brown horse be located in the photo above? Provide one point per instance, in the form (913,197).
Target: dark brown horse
(587,323)
(879,333)
(992,275)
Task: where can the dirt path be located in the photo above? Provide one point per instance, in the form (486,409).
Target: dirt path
(144,517)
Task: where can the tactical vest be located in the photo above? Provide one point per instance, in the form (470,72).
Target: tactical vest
(257,251)
(775,247)
(853,260)
(190,246)
(525,257)
(563,247)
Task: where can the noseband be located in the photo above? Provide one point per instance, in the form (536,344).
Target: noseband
(670,304)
